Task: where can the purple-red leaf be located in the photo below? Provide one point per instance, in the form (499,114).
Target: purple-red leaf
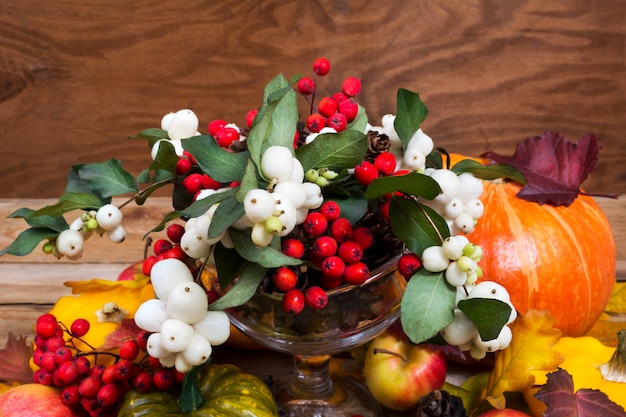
(553,166)
(561,400)
(14,360)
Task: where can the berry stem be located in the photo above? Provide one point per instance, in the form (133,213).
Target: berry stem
(376,351)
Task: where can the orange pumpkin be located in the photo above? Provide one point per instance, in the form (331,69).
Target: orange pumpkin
(556,258)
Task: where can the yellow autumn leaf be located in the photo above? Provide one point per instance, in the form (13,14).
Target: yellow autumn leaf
(617,302)
(530,349)
(613,319)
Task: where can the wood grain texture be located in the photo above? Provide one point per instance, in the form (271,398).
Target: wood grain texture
(78,78)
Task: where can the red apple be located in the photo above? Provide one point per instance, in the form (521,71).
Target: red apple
(504,412)
(399,373)
(132,272)
(34,400)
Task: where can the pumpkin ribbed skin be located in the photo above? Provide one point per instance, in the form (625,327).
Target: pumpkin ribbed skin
(225,389)
(556,258)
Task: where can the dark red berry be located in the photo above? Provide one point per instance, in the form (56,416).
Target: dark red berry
(226,136)
(306,86)
(385,162)
(284,278)
(89,386)
(333,267)
(108,376)
(341,229)
(54,343)
(193,183)
(46,327)
(321,66)
(63,354)
(327,106)
(108,395)
(331,210)
(315,122)
(356,273)
(215,126)
(123,370)
(365,173)
(337,121)
(183,166)
(163,379)
(315,223)
(324,246)
(65,374)
(143,382)
(70,395)
(351,86)
(80,327)
(363,236)
(350,252)
(250,116)
(175,232)
(210,183)
(82,365)
(129,350)
(292,247)
(142,339)
(293,301)
(316,297)
(349,109)
(148,263)
(408,264)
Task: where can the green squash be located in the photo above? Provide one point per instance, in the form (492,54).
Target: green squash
(226,390)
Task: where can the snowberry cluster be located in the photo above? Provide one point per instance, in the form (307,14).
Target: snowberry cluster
(106,220)
(462,331)
(182,330)
(90,380)
(458,201)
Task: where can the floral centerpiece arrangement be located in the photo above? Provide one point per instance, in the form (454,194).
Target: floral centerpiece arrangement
(287,205)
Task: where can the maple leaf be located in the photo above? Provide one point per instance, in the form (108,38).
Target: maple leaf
(561,400)
(530,350)
(14,360)
(554,167)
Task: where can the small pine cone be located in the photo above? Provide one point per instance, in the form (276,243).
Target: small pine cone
(441,404)
(377,144)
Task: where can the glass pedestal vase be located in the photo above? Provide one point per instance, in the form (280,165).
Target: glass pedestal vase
(354,315)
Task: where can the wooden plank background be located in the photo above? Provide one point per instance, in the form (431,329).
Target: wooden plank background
(77,78)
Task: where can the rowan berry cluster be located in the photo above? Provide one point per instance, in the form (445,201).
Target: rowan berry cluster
(91,380)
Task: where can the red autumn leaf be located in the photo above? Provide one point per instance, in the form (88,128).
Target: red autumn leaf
(561,400)
(553,166)
(14,360)
(126,330)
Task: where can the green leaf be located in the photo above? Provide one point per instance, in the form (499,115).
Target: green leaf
(417,225)
(410,114)
(27,241)
(216,162)
(243,289)
(248,182)
(414,183)
(199,207)
(166,157)
(335,151)
(489,172)
(228,263)
(190,398)
(69,202)
(265,256)
(488,314)
(152,135)
(427,305)
(56,223)
(106,179)
(227,213)
(260,134)
(172,215)
(360,121)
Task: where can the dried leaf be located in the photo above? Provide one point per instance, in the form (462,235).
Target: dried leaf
(561,400)
(617,302)
(14,358)
(127,330)
(614,318)
(530,349)
(553,166)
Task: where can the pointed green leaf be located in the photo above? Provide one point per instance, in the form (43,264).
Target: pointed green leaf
(105,179)
(243,289)
(417,225)
(489,172)
(216,162)
(228,263)
(69,202)
(248,182)
(27,241)
(56,223)
(190,398)
(166,157)
(360,121)
(199,207)
(335,151)
(410,114)
(414,183)
(488,314)
(172,215)
(152,135)
(227,213)
(266,256)
(427,305)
